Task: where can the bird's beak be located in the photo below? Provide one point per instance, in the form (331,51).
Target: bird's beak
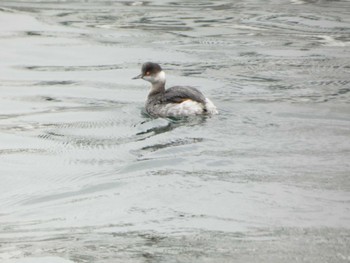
(138,77)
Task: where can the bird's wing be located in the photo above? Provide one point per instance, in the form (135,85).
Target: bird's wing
(179,94)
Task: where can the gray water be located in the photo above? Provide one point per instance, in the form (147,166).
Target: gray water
(85,176)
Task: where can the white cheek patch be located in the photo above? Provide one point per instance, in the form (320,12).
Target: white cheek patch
(147,78)
(160,77)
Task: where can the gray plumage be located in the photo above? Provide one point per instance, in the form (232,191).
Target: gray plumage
(178,94)
(175,101)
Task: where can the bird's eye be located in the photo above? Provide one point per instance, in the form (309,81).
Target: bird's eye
(147,73)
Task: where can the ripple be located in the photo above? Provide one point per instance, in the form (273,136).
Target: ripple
(171,144)
(67,195)
(19,151)
(160,146)
(302,23)
(71,68)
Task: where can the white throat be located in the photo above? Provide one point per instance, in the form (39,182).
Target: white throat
(158,82)
(160,77)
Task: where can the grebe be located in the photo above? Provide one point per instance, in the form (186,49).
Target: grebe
(173,102)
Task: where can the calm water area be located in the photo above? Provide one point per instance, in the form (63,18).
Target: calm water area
(86,176)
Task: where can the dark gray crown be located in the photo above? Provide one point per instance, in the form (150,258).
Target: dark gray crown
(150,67)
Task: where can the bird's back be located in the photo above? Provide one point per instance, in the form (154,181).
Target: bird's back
(178,94)
(176,101)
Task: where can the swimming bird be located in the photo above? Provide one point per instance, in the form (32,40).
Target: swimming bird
(176,101)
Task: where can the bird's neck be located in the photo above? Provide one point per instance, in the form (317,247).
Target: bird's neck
(158,85)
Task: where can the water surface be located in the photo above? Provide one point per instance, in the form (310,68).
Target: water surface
(87,177)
